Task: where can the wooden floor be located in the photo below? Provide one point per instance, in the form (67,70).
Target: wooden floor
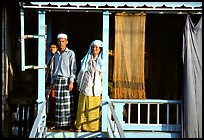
(68,134)
(65,133)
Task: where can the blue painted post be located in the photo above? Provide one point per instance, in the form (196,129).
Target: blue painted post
(49,37)
(41,58)
(22,41)
(105,74)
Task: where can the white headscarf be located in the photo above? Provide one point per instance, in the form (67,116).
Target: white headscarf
(84,61)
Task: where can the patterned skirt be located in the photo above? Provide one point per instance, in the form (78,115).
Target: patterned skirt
(64,102)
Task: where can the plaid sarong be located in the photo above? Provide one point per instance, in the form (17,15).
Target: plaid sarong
(64,102)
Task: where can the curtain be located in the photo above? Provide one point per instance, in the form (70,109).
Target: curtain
(128,70)
(192,88)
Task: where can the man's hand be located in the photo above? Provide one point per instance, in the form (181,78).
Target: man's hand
(47,95)
(71,85)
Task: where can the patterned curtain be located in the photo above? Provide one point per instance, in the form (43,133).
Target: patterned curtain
(128,71)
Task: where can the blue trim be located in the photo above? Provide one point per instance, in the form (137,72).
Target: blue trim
(22,40)
(41,57)
(153,4)
(105,96)
(152,127)
(49,38)
(152,135)
(145,101)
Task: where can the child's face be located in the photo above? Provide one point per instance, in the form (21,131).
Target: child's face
(53,49)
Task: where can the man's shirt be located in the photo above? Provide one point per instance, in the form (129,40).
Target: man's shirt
(65,65)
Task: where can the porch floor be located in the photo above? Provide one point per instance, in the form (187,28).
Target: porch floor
(67,134)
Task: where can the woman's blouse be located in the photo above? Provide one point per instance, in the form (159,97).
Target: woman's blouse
(90,81)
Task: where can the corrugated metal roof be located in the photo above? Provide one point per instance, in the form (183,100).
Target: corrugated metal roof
(114,6)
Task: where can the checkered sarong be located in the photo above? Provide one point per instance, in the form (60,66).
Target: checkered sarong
(64,102)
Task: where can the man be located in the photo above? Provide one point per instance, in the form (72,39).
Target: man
(53,49)
(62,82)
(51,99)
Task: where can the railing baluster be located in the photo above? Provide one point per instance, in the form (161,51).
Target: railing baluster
(177,113)
(138,113)
(167,113)
(129,112)
(158,110)
(148,112)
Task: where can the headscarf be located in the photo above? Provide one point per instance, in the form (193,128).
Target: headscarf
(99,64)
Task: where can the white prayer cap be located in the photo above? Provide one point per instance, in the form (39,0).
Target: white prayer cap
(62,35)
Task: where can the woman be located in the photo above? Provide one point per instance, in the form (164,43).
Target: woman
(89,82)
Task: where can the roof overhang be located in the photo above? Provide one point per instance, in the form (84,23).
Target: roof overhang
(176,7)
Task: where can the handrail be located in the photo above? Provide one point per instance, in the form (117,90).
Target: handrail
(39,127)
(145,101)
(152,122)
(119,128)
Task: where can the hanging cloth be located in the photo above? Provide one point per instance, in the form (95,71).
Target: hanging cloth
(192,82)
(128,71)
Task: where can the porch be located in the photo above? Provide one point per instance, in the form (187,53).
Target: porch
(148,118)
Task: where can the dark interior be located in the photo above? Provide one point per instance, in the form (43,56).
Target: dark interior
(163,47)
(81,28)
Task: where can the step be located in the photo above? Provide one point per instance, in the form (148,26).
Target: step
(67,134)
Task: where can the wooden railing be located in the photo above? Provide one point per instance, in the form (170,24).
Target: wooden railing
(149,114)
(39,127)
(114,128)
(142,115)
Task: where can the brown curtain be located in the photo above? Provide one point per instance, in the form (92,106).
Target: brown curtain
(128,71)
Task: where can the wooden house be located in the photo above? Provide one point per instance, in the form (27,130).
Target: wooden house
(145,76)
